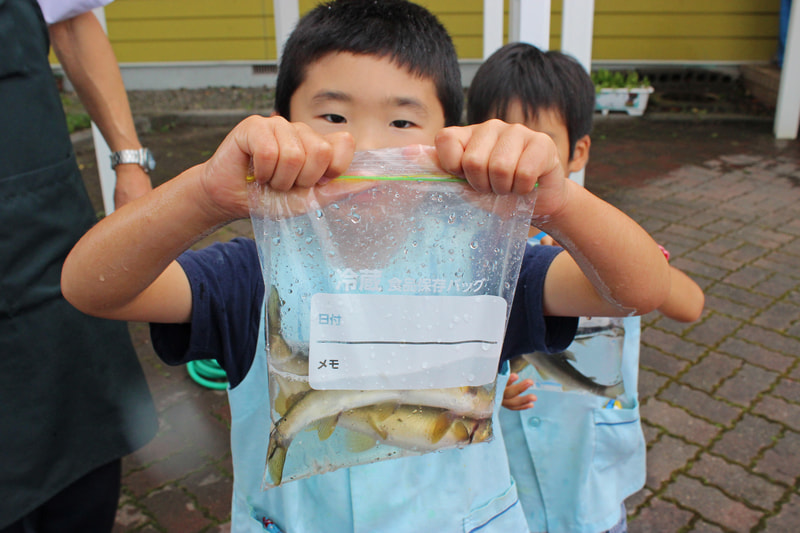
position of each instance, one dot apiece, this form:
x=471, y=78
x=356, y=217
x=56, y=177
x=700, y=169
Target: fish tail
x=517, y=364
x=276, y=457
x=274, y=310
x=462, y=431
x=615, y=390
x=440, y=428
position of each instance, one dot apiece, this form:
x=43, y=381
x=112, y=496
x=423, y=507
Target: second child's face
x=549, y=122
x=380, y=104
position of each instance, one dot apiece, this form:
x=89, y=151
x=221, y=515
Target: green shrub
x=618, y=79
x=78, y=121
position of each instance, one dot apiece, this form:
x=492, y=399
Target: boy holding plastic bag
x=588, y=395
x=356, y=75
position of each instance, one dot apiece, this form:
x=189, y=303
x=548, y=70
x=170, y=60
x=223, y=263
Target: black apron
x=72, y=394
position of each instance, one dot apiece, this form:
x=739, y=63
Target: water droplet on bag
x=276, y=241
x=474, y=245
x=452, y=218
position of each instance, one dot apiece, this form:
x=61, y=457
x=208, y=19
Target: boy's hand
x=547, y=240
x=504, y=158
x=285, y=156
x=512, y=395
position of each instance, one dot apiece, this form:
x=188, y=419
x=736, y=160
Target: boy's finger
x=343, y=148
x=478, y=153
x=318, y=154
x=505, y=157
x=257, y=148
x=517, y=388
x=450, y=144
x=538, y=161
x=291, y=156
x=520, y=403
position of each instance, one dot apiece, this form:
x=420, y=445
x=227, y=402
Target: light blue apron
x=576, y=457
x=450, y=491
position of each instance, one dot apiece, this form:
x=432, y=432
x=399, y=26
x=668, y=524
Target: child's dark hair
x=539, y=81
x=407, y=33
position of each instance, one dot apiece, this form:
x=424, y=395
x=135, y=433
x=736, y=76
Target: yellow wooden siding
x=684, y=30
x=462, y=19
x=200, y=30
x=635, y=30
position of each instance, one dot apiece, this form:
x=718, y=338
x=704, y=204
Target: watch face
x=149, y=161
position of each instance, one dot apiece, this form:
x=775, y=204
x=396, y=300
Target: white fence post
x=492, y=26
x=529, y=22
x=787, y=110
x=577, y=27
x=287, y=13
x=102, y=153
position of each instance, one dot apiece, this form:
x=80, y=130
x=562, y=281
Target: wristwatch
x=142, y=157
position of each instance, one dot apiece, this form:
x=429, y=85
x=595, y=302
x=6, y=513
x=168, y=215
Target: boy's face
x=381, y=104
x=549, y=121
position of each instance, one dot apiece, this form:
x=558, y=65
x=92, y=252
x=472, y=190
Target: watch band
x=142, y=157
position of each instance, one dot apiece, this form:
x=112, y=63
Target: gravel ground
x=687, y=93
x=161, y=102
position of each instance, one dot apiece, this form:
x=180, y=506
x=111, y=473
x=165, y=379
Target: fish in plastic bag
x=388, y=292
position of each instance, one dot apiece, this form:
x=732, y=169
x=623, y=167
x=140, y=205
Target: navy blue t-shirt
x=228, y=300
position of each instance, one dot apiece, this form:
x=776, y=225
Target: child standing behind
x=575, y=456
x=356, y=75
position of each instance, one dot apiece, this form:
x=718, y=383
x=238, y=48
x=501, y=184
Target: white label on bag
x=375, y=341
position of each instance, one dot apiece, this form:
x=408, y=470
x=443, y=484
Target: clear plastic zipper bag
x=388, y=292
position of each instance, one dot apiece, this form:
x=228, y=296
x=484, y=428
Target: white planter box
x=631, y=101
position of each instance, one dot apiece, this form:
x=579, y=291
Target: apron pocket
x=504, y=512
x=44, y=214
x=618, y=435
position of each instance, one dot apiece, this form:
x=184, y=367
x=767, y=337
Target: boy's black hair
x=405, y=32
x=539, y=81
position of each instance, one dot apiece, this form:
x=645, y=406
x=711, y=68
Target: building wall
x=182, y=44
x=624, y=30
x=685, y=30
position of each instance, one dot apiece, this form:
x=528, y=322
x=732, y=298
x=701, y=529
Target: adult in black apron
x=73, y=398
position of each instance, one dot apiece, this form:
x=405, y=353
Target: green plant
x=618, y=79
x=77, y=118
x=78, y=121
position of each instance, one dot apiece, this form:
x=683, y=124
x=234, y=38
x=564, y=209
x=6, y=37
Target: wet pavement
x=720, y=397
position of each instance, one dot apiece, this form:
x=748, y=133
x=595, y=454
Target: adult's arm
x=85, y=53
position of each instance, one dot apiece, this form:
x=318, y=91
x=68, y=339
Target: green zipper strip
x=419, y=177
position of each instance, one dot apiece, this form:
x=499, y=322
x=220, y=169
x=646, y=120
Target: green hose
x=208, y=373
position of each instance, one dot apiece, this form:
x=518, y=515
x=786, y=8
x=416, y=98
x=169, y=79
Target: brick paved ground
x=720, y=398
